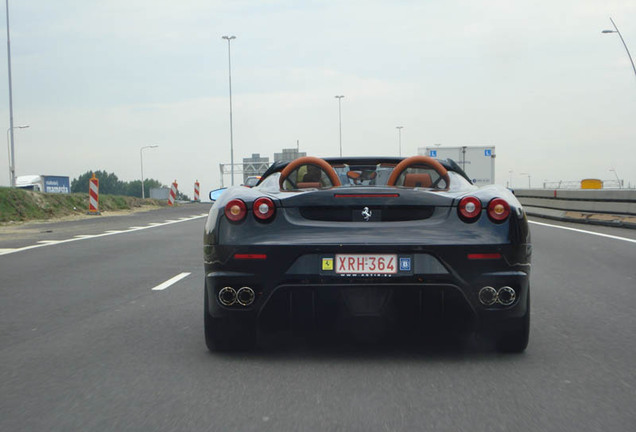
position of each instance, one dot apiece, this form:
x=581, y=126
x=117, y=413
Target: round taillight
x=498, y=210
x=469, y=208
x=263, y=208
x=235, y=210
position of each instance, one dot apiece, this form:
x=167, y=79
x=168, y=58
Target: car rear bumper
x=441, y=283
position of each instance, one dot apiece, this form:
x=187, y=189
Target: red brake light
x=250, y=256
x=263, y=208
x=484, y=256
x=469, y=209
x=235, y=210
x=498, y=210
x=386, y=195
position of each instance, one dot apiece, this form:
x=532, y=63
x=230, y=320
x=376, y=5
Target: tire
x=228, y=334
x=514, y=334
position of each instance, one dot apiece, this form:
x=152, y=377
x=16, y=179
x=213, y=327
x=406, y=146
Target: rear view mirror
x=216, y=193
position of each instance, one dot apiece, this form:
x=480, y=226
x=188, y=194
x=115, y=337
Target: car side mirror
x=216, y=193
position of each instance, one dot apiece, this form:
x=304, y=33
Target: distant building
x=288, y=155
x=254, y=166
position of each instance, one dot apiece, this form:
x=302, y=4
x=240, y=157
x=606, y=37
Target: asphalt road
x=86, y=344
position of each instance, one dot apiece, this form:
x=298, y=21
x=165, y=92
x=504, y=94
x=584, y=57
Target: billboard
x=56, y=184
x=478, y=162
x=160, y=193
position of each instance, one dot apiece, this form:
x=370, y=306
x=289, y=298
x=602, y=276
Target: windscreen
x=358, y=175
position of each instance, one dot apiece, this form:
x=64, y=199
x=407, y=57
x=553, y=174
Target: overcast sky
x=97, y=80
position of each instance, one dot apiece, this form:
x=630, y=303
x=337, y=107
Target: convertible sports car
x=367, y=244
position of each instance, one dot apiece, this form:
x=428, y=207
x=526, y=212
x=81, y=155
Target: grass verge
x=19, y=205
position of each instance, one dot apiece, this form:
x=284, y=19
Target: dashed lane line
x=44, y=243
x=171, y=281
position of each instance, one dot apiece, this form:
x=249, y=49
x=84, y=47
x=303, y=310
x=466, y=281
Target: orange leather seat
x=308, y=185
x=418, y=180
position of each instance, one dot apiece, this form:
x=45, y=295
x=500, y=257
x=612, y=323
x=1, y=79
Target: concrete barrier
x=615, y=207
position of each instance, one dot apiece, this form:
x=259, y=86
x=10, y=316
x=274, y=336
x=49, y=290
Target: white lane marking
x=43, y=243
x=584, y=231
x=171, y=281
x=85, y=236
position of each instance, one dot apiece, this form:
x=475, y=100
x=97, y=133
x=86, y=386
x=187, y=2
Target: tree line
x=110, y=184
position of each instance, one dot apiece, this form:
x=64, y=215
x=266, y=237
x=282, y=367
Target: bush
x=109, y=184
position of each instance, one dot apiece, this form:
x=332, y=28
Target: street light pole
x=620, y=186
x=399, y=128
x=12, y=161
x=141, y=157
x=10, y=153
x=229, y=63
x=529, y=187
x=340, y=121
x=622, y=40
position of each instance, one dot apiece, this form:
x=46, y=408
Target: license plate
x=366, y=263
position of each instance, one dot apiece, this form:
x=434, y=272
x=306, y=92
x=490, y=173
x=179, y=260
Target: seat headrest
x=418, y=180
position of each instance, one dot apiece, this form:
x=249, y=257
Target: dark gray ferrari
x=380, y=245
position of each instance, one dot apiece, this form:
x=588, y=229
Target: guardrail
x=616, y=207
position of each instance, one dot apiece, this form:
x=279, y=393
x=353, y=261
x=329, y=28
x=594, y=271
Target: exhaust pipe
x=506, y=296
x=488, y=296
x=227, y=296
x=245, y=296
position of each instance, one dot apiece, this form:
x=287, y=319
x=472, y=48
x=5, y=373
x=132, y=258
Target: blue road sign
x=432, y=153
x=488, y=152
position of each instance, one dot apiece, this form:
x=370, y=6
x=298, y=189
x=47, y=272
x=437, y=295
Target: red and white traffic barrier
x=173, y=193
x=197, y=189
x=93, y=195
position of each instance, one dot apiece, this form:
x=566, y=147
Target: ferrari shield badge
x=327, y=264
